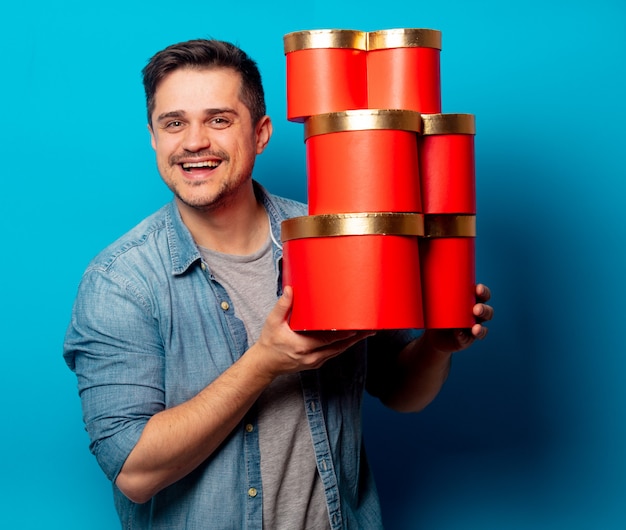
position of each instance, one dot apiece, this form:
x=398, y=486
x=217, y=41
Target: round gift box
x=363, y=161
x=353, y=271
x=447, y=163
x=326, y=72
x=447, y=261
x=403, y=69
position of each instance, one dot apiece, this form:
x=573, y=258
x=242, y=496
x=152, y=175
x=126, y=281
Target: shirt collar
x=183, y=249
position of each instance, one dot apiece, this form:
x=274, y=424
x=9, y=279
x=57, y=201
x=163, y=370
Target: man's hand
x=450, y=341
x=286, y=351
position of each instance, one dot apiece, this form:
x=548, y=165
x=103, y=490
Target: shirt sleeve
x=382, y=350
x=114, y=346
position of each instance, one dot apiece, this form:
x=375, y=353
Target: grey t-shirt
x=293, y=496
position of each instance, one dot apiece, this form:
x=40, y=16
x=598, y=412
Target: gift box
x=447, y=164
x=326, y=72
x=363, y=161
x=447, y=252
x=447, y=261
x=379, y=151
x=353, y=271
x=403, y=69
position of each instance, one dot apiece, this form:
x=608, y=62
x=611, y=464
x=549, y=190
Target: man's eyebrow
x=223, y=110
x=171, y=114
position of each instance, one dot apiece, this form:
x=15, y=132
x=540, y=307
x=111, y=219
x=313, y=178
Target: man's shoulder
x=148, y=233
x=285, y=207
x=290, y=207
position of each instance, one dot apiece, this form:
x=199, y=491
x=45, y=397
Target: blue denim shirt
x=149, y=330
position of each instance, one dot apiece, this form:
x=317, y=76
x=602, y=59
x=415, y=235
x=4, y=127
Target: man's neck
x=239, y=228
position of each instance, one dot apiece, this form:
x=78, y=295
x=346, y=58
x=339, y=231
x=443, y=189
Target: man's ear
x=264, y=131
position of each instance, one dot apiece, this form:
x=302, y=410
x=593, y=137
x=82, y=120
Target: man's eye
x=220, y=123
x=174, y=124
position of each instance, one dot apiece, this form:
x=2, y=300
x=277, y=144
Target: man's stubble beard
x=223, y=198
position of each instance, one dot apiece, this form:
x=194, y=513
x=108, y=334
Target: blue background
x=529, y=431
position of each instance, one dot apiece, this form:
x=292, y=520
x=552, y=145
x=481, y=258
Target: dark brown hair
x=200, y=54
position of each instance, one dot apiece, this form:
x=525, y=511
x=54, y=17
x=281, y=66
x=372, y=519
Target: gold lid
x=404, y=38
x=449, y=225
x=325, y=38
x=448, y=124
x=353, y=224
x=362, y=120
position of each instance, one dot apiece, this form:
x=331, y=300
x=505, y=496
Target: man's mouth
x=210, y=164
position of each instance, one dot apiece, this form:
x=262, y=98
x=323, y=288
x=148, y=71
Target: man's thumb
x=285, y=302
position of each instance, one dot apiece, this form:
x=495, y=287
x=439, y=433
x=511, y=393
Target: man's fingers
x=483, y=294
x=284, y=303
x=479, y=332
x=336, y=339
x=483, y=312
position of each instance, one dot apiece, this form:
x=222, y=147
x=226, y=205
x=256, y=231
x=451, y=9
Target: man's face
x=204, y=138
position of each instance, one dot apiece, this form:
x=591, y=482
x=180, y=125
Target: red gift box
x=447, y=165
x=353, y=271
x=378, y=145
x=447, y=252
x=363, y=161
x=403, y=70
x=447, y=260
x=326, y=72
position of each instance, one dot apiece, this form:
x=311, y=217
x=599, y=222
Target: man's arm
x=176, y=440
x=417, y=373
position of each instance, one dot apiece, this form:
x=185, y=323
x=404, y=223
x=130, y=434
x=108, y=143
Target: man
x=203, y=407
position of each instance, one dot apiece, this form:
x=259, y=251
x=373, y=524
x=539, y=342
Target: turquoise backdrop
x=530, y=430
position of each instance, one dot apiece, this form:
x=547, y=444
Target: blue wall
x=530, y=429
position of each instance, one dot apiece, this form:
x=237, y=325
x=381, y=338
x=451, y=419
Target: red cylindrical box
x=448, y=282
x=447, y=164
x=403, y=69
x=447, y=252
x=363, y=161
x=361, y=280
x=326, y=72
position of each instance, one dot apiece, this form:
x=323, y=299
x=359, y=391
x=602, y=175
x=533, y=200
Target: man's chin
x=206, y=203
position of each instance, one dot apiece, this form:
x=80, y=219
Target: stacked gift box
x=388, y=242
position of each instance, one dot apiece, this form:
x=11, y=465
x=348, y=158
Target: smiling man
x=203, y=407
x=193, y=143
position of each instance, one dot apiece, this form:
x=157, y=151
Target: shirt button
x=252, y=492
x=203, y=266
x=224, y=305
x=249, y=427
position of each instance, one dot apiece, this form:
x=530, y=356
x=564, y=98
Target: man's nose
x=197, y=137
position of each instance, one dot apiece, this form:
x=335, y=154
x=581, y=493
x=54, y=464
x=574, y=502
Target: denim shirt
x=150, y=328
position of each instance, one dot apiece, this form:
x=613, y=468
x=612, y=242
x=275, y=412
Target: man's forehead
x=180, y=82
x=196, y=90
x=187, y=71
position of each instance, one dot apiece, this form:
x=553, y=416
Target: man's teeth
x=210, y=164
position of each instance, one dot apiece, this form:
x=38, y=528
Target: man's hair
x=206, y=54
